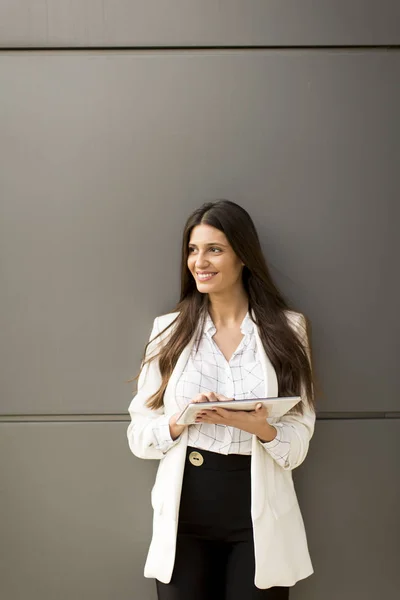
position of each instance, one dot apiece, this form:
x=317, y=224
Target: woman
x=226, y=523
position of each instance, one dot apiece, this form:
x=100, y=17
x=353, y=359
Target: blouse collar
x=246, y=326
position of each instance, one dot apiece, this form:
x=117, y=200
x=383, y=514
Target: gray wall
x=104, y=150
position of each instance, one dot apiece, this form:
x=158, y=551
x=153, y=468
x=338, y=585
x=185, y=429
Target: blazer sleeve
x=294, y=432
x=148, y=431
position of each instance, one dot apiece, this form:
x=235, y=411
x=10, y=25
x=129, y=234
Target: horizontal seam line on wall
x=384, y=47
x=120, y=417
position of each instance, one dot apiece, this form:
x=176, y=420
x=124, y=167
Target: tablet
x=277, y=407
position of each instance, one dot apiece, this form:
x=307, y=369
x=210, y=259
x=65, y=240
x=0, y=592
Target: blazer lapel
x=169, y=395
x=271, y=381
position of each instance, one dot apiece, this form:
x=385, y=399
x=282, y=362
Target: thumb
x=258, y=406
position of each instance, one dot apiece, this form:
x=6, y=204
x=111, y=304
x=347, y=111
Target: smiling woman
x=212, y=262
x=226, y=518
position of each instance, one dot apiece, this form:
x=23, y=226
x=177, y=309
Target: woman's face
x=211, y=260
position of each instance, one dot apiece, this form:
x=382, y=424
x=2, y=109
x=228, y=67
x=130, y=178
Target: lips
x=205, y=276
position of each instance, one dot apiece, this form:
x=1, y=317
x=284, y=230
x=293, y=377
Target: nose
x=201, y=261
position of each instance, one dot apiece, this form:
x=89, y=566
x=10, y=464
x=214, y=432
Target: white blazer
x=280, y=543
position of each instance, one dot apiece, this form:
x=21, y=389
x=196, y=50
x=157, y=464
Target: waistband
x=217, y=461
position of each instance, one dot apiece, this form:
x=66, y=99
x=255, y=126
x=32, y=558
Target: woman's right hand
x=176, y=430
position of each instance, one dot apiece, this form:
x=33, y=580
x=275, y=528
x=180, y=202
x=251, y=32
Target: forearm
x=174, y=429
x=290, y=446
x=149, y=437
x=265, y=432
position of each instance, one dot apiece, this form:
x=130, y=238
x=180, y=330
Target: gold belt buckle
x=196, y=459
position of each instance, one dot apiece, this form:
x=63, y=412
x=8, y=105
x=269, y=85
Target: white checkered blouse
x=240, y=378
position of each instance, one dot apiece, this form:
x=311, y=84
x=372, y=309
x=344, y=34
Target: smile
x=205, y=276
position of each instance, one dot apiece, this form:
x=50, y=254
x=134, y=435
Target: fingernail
x=258, y=405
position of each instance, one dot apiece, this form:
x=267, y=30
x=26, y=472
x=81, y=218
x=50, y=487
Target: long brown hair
x=285, y=350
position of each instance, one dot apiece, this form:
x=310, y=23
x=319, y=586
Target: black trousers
x=215, y=548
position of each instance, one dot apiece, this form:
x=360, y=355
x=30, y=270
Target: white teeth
x=205, y=275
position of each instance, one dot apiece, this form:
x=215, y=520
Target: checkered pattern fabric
x=208, y=370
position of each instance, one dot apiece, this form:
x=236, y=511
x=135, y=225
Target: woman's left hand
x=254, y=421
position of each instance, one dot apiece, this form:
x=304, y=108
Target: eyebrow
x=208, y=244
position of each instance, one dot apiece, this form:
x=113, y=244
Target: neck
x=228, y=309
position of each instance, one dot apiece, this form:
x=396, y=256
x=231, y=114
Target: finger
x=223, y=398
x=221, y=412
x=202, y=397
x=199, y=398
x=210, y=414
x=200, y=415
x=260, y=412
x=204, y=411
x=212, y=397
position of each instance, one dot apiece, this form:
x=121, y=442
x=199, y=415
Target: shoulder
x=159, y=324
x=162, y=321
x=295, y=319
x=298, y=323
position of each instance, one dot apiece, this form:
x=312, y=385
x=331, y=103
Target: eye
x=212, y=249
